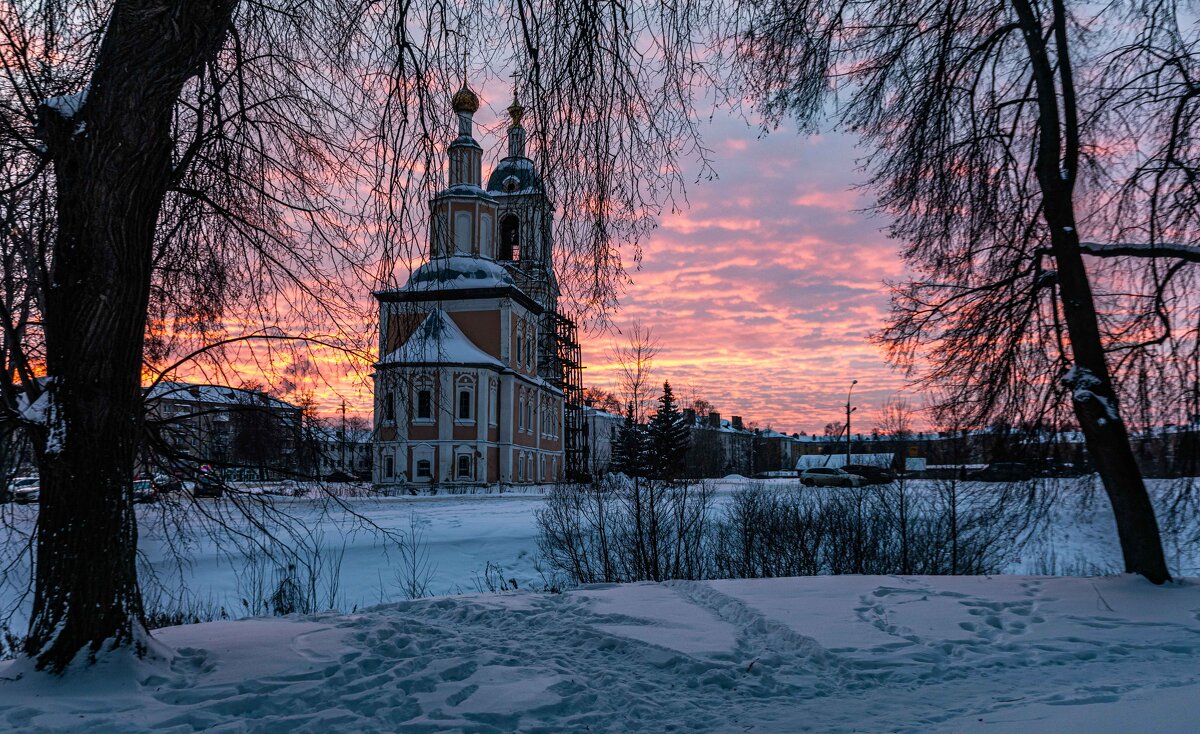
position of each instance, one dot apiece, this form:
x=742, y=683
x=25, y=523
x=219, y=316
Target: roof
x=438, y=340
x=837, y=461
x=214, y=395
x=515, y=175
x=459, y=273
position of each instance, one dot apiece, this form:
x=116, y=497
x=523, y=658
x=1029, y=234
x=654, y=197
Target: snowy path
x=824, y=654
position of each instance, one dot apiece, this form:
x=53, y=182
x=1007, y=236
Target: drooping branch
x=1188, y=253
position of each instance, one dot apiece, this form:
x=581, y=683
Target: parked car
x=10, y=491
x=871, y=474
x=165, y=483
x=1002, y=471
x=209, y=484
x=28, y=491
x=144, y=490
x=823, y=476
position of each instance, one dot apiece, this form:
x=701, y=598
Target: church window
x=424, y=404
x=520, y=345
x=440, y=235
x=521, y=467
x=494, y=406
x=424, y=469
x=485, y=235
x=510, y=238
x=464, y=466
x=521, y=415
x=462, y=233
x=389, y=466
x=389, y=406
x=466, y=400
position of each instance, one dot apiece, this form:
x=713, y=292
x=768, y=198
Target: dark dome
x=514, y=174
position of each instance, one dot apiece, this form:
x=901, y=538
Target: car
x=871, y=474
x=824, y=476
x=144, y=490
x=18, y=482
x=209, y=484
x=166, y=483
x=1002, y=471
x=27, y=492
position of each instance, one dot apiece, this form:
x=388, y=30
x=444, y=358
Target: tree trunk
x=1093, y=397
x=112, y=164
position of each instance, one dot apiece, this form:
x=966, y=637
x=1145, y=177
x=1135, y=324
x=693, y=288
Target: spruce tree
x=668, y=438
x=629, y=447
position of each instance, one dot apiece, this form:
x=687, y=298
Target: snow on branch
x=1190, y=253
x=1083, y=384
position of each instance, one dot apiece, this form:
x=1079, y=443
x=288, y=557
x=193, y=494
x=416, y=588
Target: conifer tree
x=629, y=447
x=667, y=437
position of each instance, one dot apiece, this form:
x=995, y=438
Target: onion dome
x=466, y=100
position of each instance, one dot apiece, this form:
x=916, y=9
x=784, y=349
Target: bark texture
x=1093, y=397
x=112, y=159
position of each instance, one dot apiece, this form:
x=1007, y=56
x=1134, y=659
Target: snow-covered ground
x=467, y=543
x=823, y=654
x=1020, y=653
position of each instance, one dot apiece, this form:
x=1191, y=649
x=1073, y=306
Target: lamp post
x=849, y=410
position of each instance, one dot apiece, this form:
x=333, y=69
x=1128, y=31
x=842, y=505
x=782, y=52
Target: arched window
x=493, y=405
x=389, y=406
x=520, y=345
x=520, y=466
x=521, y=413
x=422, y=405
x=464, y=466
x=465, y=409
x=485, y=235
x=510, y=238
x=462, y=233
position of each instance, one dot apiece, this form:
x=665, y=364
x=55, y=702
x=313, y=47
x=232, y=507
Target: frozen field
x=465, y=544
x=822, y=654
x=1017, y=653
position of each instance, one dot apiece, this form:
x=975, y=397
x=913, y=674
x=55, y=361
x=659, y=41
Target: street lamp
x=849, y=410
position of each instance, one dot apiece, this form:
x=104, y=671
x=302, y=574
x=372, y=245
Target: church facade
x=467, y=387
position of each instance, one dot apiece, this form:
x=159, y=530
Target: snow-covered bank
x=824, y=654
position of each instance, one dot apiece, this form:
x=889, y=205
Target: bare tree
x=635, y=365
x=171, y=168
x=1000, y=131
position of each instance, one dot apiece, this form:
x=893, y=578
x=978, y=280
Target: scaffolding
x=562, y=367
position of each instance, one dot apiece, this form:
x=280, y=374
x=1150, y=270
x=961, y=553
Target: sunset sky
x=762, y=293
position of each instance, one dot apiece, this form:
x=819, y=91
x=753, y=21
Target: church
x=478, y=377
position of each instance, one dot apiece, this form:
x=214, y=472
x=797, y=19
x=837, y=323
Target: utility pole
x=849, y=410
x=343, y=446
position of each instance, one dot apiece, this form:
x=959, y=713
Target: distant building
x=600, y=428
x=342, y=453
x=247, y=433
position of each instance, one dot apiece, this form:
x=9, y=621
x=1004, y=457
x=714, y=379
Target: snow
x=826, y=654
x=458, y=272
x=1017, y=653
x=1083, y=382
x=68, y=105
x=439, y=340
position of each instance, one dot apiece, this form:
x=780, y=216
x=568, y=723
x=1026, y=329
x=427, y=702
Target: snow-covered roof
x=213, y=395
x=438, y=340
x=459, y=272
x=837, y=461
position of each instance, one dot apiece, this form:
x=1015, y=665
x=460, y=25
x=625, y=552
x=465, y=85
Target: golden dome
x=515, y=111
x=466, y=100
